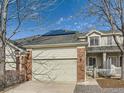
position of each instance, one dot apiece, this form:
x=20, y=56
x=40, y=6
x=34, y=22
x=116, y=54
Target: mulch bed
x=110, y=83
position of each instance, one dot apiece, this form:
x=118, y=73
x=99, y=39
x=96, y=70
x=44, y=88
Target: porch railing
x=112, y=72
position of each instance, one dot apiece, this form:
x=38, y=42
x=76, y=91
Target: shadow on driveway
x=43, y=87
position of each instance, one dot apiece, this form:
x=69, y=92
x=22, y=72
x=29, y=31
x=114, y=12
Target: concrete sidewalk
x=43, y=87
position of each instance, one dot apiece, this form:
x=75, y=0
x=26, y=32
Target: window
x=113, y=60
x=92, y=61
x=94, y=41
x=109, y=40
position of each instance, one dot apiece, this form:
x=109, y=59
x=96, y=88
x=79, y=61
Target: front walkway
x=91, y=86
x=43, y=87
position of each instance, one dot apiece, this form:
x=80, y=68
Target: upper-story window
x=109, y=40
x=94, y=41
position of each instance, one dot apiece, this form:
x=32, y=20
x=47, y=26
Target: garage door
x=55, y=64
x=56, y=70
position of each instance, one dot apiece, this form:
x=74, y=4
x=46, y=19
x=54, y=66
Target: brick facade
x=81, y=64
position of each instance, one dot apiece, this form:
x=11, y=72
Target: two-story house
x=102, y=49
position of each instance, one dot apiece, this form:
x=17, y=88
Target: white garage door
x=55, y=64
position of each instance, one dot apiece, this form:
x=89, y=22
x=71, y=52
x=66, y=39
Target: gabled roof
x=57, y=37
x=70, y=38
x=103, y=32
x=52, y=37
x=94, y=31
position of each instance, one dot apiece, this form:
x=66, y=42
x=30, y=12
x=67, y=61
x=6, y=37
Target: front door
x=92, y=61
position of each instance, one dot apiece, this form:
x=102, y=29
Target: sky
x=66, y=15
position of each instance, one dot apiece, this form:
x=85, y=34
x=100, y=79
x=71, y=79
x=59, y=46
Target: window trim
x=99, y=41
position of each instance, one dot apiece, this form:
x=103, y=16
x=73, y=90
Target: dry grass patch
x=110, y=83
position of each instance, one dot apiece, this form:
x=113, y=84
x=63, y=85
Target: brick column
x=17, y=61
x=23, y=67
x=81, y=64
x=29, y=65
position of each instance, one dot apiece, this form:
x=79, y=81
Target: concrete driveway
x=43, y=87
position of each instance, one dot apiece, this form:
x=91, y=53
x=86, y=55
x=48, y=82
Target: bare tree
x=3, y=12
x=111, y=13
x=23, y=10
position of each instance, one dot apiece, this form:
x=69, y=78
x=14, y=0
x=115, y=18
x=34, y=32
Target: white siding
x=54, y=53
x=120, y=39
x=105, y=40
x=10, y=58
x=10, y=54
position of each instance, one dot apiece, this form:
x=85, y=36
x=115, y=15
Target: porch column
x=81, y=64
x=104, y=60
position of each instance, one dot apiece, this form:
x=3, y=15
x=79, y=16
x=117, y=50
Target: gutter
x=56, y=45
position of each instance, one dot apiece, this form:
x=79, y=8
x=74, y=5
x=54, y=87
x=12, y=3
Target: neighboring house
x=63, y=56
x=11, y=56
x=14, y=64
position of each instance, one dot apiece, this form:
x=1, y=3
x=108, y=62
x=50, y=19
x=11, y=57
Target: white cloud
x=75, y=23
x=60, y=20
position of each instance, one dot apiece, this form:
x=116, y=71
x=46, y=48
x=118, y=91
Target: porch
x=104, y=60
x=105, y=63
